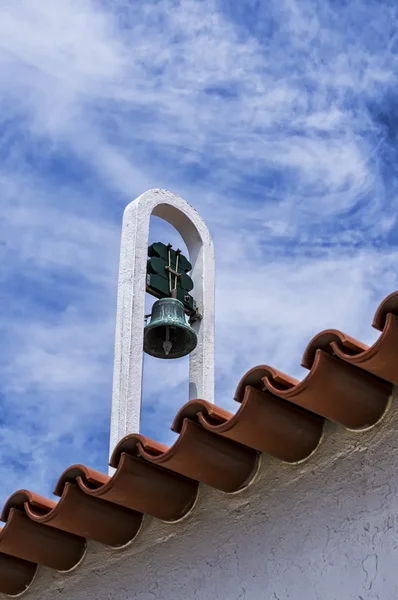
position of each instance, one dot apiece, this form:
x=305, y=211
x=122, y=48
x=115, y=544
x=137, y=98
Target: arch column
x=129, y=336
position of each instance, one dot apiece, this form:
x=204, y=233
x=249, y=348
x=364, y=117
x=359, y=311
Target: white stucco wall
x=323, y=530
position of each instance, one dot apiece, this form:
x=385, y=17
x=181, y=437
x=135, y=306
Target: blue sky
x=276, y=120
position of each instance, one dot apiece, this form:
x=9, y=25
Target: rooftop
x=348, y=383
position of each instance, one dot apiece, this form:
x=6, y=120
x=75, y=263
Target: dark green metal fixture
x=167, y=272
x=168, y=335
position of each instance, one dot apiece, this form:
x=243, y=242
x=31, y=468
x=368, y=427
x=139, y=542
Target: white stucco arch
x=128, y=361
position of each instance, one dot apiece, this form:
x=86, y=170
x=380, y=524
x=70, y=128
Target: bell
x=168, y=335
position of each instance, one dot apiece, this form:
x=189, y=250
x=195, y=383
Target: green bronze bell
x=168, y=335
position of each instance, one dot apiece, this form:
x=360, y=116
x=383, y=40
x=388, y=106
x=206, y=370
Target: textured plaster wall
x=323, y=530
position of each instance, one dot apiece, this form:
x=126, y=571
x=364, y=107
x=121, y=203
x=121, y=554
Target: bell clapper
x=167, y=344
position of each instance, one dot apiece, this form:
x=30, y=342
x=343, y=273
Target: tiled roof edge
x=348, y=383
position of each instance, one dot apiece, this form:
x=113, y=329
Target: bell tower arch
x=129, y=335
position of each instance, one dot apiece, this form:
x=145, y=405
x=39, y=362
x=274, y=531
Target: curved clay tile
x=380, y=359
x=388, y=306
x=39, y=544
x=199, y=455
x=80, y=514
x=92, y=477
x=15, y=574
x=262, y=422
x=137, y=485
x=333, y=389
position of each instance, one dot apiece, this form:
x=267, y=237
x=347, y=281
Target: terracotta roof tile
x=348, y=382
